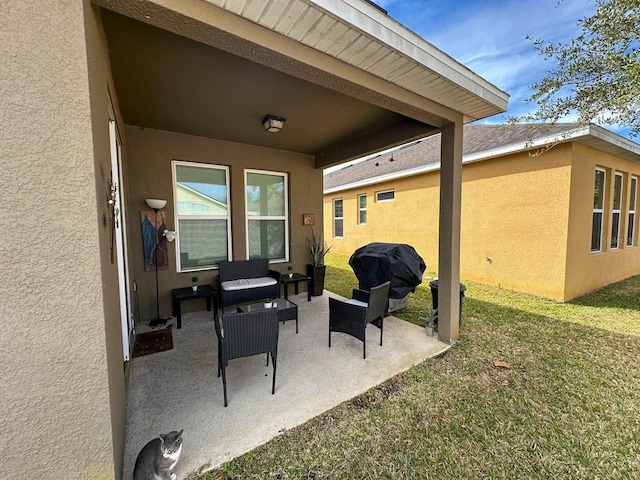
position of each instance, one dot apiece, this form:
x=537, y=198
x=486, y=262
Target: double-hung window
x=598, y=210
x=631, y=224
x=617, y=203
x=338, y=218
x=267, y=200
x=362, y=209
x=203, y=215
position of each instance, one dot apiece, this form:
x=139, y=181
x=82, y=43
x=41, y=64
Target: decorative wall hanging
x=114, y=212
x=308, y=219
x=153, y=226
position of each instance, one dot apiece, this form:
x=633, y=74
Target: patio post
x=449, y=232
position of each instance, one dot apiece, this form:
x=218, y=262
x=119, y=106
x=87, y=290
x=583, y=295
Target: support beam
x=399, y=134
x=449, y=248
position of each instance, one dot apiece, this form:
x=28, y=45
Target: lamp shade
x=155, y=203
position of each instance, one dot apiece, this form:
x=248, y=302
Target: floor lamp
x=156, y=205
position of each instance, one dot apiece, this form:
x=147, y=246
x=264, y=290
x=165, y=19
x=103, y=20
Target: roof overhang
x=388, y=84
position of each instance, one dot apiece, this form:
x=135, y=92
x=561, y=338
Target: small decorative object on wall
x=308, y=219
x=114, y=211
x=153, y=227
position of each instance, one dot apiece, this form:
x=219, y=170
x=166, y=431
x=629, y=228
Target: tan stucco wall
x=101, y=88
x=515, y=221
x=411, y=218
x=148, y=174
x=526, y=221
x=56, y=408
x=503, y=218
x=587, y=271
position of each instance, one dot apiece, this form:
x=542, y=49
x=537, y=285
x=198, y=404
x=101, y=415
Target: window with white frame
x=338, y=217
x=631, y=224
x=385, y=196
x=267, y=200
x=203, y=215
x=598, y=210
x=617, y=203
x=362, y=209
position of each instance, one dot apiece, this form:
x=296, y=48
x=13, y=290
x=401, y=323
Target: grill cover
x=399, y=263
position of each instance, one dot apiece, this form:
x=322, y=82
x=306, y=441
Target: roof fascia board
x=374, y=23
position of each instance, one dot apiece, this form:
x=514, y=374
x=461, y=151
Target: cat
x=159, y=457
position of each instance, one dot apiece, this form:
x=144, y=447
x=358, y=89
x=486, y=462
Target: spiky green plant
x=316, y=248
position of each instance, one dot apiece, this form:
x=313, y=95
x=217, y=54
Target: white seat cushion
x=244, y=283
x=358, y=303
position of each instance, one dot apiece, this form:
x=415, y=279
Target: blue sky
x=489, y=36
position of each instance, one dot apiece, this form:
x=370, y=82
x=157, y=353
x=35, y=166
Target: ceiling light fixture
x=272, y=123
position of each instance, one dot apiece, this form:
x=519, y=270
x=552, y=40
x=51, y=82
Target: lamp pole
x=156, y=205
x=157, y=321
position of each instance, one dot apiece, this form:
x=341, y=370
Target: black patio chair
x=244, y=335
x=353, y=316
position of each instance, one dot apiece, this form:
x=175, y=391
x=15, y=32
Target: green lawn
x=568, y=407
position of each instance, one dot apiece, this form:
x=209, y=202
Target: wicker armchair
x=244, y=335
x=353, y=316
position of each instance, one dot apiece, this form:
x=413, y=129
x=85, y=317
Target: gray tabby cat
x=159, y=457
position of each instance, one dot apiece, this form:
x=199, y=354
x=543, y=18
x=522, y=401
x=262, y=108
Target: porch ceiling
x=169, y=82
x=349, y=80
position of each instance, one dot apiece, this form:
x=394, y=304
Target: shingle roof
x=476, y=138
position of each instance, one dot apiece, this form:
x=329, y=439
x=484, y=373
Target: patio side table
x=296, y=278
x=187, y=293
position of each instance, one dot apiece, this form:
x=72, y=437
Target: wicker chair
x=353, y=316
x=244, y=335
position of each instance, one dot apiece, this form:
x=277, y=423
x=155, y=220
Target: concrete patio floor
x=180, y=389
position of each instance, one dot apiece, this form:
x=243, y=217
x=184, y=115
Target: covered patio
x=179, y=389
x=109, y=101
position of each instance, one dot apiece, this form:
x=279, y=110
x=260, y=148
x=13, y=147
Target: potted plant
x=194, y=287
x=290, y=268
x=430, y=321
x=316, y=269
x=268, y=303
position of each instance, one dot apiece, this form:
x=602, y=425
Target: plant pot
x=317, y=278
x=430, y=331
x=268, y=305
x=290, y=275
x=194, y=288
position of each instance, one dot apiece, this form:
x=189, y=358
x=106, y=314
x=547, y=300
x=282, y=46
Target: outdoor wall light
x=272, y=123
x=155, y=204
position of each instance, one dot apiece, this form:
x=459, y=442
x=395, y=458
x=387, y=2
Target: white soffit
x=362, y=36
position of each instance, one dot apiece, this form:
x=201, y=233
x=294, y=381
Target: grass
x=568, y=406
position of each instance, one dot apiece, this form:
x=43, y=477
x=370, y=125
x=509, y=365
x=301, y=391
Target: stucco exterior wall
x=148, y=173
x=588, y=271
x=515, y=219
x=56, y=410
x=508, y=216
x=411, y=218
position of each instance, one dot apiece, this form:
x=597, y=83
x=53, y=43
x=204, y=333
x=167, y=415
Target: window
x=201, y=196
x=617, y=203
x=338, y=218
x=632, y=211
x=385, y=196
x=267, y=200
x=598, y=206
x=362, y=209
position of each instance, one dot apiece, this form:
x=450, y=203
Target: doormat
x=153, y=342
